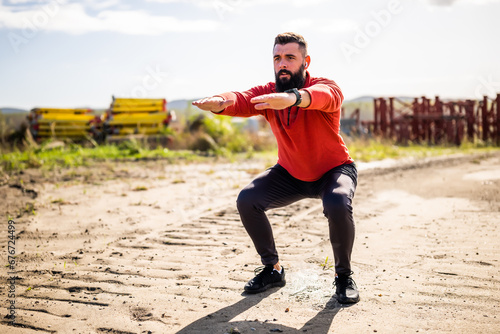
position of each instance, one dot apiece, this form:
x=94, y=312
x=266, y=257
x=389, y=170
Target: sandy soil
x=157, y=248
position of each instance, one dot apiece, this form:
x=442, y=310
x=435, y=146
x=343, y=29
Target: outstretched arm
x=215, y=104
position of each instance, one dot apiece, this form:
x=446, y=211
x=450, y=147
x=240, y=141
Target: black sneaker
x=346, y=289
x=266, y=277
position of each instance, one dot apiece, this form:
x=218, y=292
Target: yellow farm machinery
x=69, y=123
x=136, y=116
x=125, y=116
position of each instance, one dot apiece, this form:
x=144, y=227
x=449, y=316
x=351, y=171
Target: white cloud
x=442, y=2
x=298, y=24
x=164, y=1
x=446, y=3
x=99, y=5
x=337, y=26
x=322, y=26
x=244, y=3
x=21, y=2
x=72, y=18
x=309, y=3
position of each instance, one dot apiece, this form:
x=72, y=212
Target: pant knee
x=336, y=203
x=246, y=200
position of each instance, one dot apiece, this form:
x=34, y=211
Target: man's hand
x=214, y=104
x=280, y=101
x=274, y=101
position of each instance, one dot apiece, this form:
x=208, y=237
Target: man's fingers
x=275, y=101
x=262, y=98
x=213, y=103
x=256, y=99
x=262, y=106
x=203, y=101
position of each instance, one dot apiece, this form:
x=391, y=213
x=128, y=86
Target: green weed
x=327, y=265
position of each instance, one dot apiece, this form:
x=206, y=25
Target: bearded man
x=313, y=161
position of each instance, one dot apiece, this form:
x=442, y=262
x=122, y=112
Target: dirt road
x=160, y=249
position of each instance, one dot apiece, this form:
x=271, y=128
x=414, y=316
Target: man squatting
x=313, y=160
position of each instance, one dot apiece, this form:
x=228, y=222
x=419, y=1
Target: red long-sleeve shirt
x=309, y=142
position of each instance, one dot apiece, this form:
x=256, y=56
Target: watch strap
x=297, y=95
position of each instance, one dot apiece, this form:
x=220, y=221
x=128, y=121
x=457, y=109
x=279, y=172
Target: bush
x=221, y=136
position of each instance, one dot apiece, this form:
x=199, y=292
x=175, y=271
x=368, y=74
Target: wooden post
x=469, y=118
x=414, y=124
x=450, y=129
x=459, y=125
x=391, y=117
x=426, y=122
x=438, y=124
x=484, y=116
x=383, y=117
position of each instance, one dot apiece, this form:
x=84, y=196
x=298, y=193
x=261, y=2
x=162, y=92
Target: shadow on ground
x=219, y=321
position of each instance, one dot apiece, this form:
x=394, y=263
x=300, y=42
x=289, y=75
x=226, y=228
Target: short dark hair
x=291, y=37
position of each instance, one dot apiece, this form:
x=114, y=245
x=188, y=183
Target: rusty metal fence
x=435, y=121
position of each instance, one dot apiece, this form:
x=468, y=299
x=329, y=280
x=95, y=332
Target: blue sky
x=65, y=53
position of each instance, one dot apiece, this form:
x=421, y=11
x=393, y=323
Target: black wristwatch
x=297, y=94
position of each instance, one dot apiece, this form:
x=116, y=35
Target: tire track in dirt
x=127, y=264
x=168, y=258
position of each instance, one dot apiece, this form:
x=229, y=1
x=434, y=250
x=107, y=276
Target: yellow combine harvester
x=136, y=116
x=62, y=123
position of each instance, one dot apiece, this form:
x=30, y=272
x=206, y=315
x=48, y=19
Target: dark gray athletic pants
x=277, y=188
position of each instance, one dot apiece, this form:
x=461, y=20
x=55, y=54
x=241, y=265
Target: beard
x=296, y=80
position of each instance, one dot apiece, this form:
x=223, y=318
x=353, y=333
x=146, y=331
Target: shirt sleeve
x=325, y=95
x=242, y=106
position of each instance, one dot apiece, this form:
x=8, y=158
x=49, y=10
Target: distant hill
x=361, y=99
x=12, y=119
x=178, y=104
x=368, y=98
x=6, y=111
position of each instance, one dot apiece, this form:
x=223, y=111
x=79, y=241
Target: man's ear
x=307, y=62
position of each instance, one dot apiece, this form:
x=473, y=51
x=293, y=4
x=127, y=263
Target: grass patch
x=373, y=149
x=73, y=155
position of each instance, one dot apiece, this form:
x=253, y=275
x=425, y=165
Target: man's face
x=289, y=66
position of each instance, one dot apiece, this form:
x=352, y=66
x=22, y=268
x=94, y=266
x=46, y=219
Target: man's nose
x=282, y=64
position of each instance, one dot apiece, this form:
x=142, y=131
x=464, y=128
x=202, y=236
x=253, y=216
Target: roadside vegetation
x=371, y=149
x=199, y=139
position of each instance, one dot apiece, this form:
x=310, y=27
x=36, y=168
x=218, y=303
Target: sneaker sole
x=269, y=286
x=348, y=300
